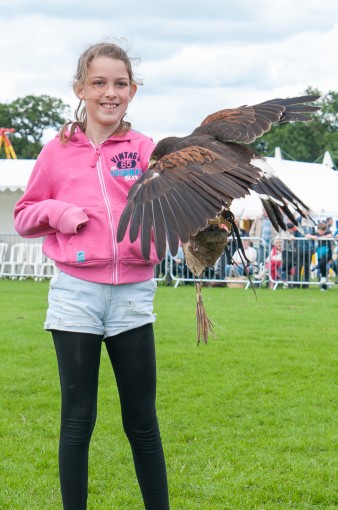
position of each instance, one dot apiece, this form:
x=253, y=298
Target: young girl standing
x=103, y=291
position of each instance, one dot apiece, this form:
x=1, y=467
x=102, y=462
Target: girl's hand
x=80, y=226
x=72, y=219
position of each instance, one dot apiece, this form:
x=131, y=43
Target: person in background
x=335, y=255
x=329, y=225
x=175, y=264
x=323, y=250
x=274, y=262
x=103, y=291
x=231, y=241
x=237, y=269
x=178, y=262
x=262, y=228
x=241, y=230
x=304, y=251
x=288, y=252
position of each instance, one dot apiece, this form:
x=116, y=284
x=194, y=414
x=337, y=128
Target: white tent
x=14, y=175
x=315, y=183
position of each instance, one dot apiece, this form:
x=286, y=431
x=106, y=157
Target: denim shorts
x=98, y=308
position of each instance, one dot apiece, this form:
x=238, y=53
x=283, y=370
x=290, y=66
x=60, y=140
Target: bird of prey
x=192, y=180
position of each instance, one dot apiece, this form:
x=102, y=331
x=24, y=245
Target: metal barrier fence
x=224, y=273
x=282, y=262
x=301, y=262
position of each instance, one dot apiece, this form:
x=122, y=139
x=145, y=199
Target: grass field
x=249, y=421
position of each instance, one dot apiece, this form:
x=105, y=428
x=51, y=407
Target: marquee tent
x=315, y=183
x=14, y=175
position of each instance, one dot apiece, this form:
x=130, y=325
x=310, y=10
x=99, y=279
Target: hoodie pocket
x=93, y=241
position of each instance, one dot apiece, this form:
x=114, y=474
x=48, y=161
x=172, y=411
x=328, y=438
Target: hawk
x=192, y=180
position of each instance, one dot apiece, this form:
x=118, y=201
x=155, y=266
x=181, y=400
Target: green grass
x=249, y=421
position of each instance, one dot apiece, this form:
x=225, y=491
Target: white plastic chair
x=3, y=250
x=15, y=261
x=47, y=268
x=33, y=260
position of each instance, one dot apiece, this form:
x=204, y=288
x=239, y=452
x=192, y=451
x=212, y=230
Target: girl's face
x=106, y=94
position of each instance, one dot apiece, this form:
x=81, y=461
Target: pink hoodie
x=77, y=183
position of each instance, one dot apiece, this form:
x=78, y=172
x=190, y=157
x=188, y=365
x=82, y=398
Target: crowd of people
x=292, y=258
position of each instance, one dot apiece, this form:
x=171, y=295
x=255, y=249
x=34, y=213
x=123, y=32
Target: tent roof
x=314, y=183
x=14, y=173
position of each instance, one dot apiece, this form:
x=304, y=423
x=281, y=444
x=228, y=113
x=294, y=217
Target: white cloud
x=197, y=57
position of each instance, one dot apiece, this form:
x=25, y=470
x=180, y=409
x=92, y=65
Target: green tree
x=5, y=117
x=30, y=116
x=306, y=141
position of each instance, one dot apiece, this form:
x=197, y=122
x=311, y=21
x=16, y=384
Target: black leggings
x=132, y=355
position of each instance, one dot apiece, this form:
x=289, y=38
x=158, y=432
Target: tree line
x=31, y=116
x=306, y=141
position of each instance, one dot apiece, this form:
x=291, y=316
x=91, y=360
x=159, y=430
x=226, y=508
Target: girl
x=274, y=262
x=103, y=291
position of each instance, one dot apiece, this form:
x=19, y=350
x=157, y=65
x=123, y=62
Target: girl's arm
x=37, y=214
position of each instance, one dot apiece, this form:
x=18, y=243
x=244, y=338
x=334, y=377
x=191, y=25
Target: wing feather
x=160, y=229
x=135, y=222
x=124, y=220
x=246, y=123
x=147, y=219
x=172, y=226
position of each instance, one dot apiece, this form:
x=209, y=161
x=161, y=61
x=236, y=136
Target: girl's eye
x=121, y=84
x=98, y=83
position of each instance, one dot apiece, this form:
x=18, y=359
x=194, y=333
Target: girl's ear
x=78, y=90
x=133, y=90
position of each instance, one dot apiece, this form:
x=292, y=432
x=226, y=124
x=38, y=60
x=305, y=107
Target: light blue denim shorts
x=98, y=308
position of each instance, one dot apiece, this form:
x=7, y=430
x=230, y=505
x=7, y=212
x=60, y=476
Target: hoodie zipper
x=97, y=162
x=96, y=155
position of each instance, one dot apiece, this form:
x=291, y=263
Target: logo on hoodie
x=127, y=165
x=80, y=256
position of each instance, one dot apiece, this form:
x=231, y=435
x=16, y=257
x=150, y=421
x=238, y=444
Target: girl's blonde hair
x=104, y=49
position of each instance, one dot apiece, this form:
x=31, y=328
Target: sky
x=194, y=57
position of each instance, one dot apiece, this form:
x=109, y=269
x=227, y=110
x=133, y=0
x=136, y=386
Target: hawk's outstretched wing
x=177, y=196
x=190, y=180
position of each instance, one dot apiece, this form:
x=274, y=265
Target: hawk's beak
x=221, y=222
